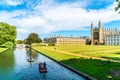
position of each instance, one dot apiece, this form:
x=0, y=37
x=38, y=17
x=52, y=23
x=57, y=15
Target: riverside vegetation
x=2, y=49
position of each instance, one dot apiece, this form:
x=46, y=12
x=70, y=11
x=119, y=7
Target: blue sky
x=54, y=17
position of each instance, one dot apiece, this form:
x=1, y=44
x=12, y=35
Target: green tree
x=20, y=42
x=118, y=5
x=33, y=38
x=7, y=33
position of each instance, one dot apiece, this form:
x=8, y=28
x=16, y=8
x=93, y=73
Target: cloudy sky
x=53, y=17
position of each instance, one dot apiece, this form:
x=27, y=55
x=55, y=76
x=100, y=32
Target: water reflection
x=16, y=67
x=7, y=60
x=7, y=63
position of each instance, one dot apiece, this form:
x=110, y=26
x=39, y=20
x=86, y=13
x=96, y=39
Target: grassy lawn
x=102, y=70
x=111, y=52
x=2, y=49
x=53, y=54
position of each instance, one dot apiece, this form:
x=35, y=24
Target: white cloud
x=49, y=16
x=13, y=2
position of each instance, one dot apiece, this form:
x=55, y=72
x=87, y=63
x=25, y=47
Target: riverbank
x=67, y=66
x=103, y=70
x=3, y=50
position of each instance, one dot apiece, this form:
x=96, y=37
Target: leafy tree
x=7, y=33
x=20, y=42
x=32, y=38
x=118, y=5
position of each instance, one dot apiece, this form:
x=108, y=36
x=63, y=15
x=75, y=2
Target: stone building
x=65, y=40
x=112, y=39
x=98, y=34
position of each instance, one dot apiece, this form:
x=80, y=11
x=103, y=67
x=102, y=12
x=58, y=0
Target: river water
x=14, y=66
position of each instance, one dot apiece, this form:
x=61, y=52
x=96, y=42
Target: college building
x=99, y=34
x=112, y=39
x=65, y=40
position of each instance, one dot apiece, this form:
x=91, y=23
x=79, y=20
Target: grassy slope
x=94, y=68
x=2, y=49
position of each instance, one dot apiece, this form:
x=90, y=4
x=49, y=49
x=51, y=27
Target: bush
x=51, y=44
x=2, y=46
x=8, y=45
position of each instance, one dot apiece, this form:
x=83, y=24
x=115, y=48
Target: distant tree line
x=7, y=35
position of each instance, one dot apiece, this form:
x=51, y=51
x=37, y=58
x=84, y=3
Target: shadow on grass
x=95, y=68
x=113, y=58
x=117, y=53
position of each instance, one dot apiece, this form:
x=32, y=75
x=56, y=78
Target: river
x=14, y=66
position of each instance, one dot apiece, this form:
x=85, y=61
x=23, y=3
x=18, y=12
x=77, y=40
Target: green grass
x=2, y=49
x=53, y=54
x=95, y=68
x=86, y=48
x=111, y=52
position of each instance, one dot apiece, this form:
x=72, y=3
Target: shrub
x=51, y=44
x=8, y=45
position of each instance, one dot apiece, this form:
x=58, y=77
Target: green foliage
x=33, y=38
x=51, y=44
x=19, y=42
x=2, y=49
x=118, y=5
x=7, y=33
x=9, y=45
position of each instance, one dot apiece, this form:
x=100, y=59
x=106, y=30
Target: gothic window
x=96, y=35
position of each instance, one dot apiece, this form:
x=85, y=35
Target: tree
x=7, y=33
x=32, y=38
x=19, y=42
x=118, y=5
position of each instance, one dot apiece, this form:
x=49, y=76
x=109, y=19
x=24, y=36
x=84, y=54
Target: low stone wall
x=69, y=67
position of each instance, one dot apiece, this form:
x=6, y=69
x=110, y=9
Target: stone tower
x=92, y=33
x=100, y=32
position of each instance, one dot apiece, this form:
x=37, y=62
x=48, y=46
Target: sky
x=58, y=17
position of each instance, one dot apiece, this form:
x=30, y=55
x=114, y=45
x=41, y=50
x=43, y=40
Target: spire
x=92, y=25
x=99, y=25
x=92, y=33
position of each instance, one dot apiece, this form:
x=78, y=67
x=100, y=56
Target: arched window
x=96, y=35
